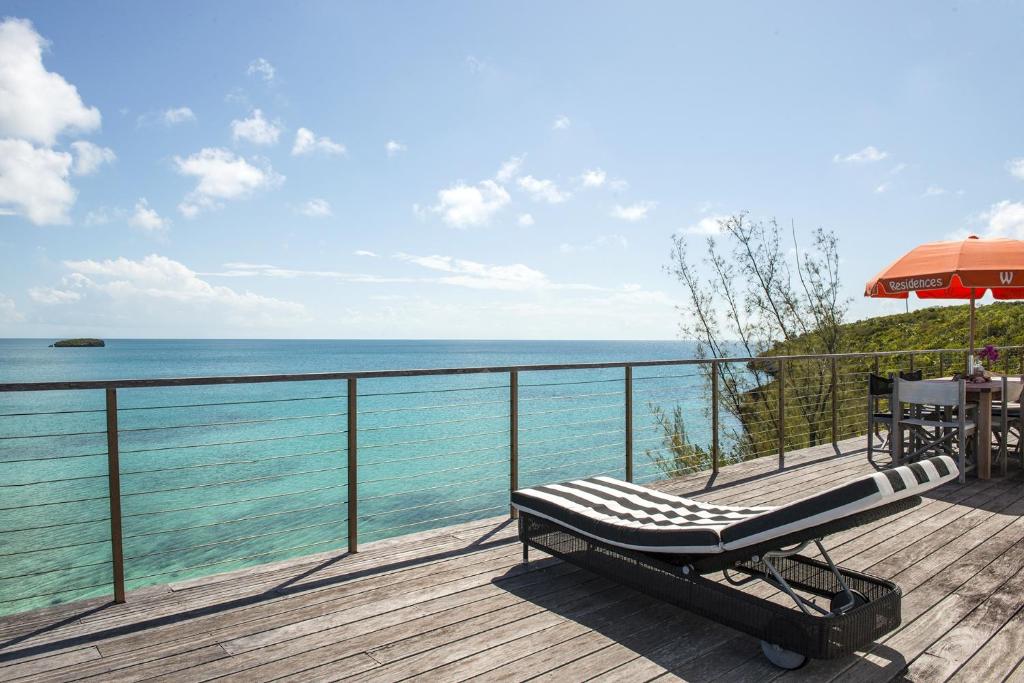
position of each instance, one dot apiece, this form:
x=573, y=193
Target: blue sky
x=224, y=169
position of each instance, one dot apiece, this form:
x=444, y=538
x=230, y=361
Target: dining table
x=981, y=394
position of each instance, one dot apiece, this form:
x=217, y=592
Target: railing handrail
x=429, y=372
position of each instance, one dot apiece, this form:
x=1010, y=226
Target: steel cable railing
x=54, y=518
x=172, y=485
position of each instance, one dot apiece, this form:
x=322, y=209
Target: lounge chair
x=663, y=545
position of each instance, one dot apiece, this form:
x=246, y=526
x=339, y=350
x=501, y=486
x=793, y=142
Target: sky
x=476, y=169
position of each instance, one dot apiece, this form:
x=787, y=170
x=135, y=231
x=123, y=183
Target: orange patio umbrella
x=959, y=269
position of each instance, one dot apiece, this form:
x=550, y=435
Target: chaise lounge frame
x=861, y=607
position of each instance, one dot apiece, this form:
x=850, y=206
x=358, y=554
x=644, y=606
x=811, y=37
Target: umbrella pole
x=970, y=358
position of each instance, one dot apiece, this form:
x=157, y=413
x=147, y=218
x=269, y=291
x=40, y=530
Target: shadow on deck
x=456, y=602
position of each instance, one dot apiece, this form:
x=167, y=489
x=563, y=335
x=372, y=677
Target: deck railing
x=111, y=485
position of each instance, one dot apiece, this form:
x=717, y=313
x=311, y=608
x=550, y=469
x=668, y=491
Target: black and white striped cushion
x=640, y=518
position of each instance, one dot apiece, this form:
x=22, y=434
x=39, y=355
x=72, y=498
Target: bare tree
x=754, y=298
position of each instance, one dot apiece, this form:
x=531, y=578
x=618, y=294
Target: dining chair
x=879, y=390
x=1006, y=420
x=934, y=432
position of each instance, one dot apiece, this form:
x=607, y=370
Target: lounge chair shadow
x=622, y=627
x=612, y=615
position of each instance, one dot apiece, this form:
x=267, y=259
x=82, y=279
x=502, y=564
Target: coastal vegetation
x=758, y=294
x=747, y=296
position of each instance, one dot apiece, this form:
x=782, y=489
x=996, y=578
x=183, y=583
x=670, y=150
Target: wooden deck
x=457, y=603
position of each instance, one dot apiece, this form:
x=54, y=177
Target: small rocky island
x=77, y=343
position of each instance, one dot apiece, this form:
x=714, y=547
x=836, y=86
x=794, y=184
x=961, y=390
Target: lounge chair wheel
x=782, y=658
x=840, y=600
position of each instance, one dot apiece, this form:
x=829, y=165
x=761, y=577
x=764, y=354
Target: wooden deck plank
x=999, y=657
x=456, y=603
x=297, y=655
x=930, y=609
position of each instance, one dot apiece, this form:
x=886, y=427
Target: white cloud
x=222, y=175
x=158, y=287
x=1004, y=219
x=36, y=104
x=633, y=212
x=277, y=272
x=89, y=157
x=474, y=275
x=464, y=206
x=598, y=242
x=883, y=188
x=51, y=296
x=709, y=225
x=261, y=68
x=561, y=123
x=525, y=220
x=509, y=169
x=1016, y=168
x=542, y=190
x=146, y=218
x=364, y=252
x=306, y=142
x=255, y=129
x=869, y=154
x=393, y=148
x=618, y=185
x=594, y=177
x=176, y=115
x=33, y=182
x=9, y=311
x=316, y=208
x=102, y=215
x=934, y=191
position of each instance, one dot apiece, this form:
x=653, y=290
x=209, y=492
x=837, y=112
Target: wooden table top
x=991, y=385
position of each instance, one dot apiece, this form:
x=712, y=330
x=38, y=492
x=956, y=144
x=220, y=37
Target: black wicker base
x=816, y=637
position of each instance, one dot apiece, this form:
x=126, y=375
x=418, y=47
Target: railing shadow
x=711, y=483
x=296, y=584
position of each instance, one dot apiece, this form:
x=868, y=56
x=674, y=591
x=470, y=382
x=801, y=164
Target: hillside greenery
x=935, y=327
x=938, y=327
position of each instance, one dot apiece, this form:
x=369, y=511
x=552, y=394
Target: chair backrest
x=878, y=385
x=1013, y=388
x=940, y=393
x=882, y=386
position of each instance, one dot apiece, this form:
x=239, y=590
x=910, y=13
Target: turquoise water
x=216, y=478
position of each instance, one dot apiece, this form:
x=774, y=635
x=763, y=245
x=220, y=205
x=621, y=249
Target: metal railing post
x=353, y=467
x=781, y=379
x=714, y=418
x=911, y=361
x=835, y=404
x=513, y=436
x=942, y=364
x=629, y=422
x=114, y=489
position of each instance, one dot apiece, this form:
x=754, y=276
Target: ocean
x=223, y=477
